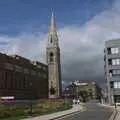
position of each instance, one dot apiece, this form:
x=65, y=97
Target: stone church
x=53, y=61
x=26, y=79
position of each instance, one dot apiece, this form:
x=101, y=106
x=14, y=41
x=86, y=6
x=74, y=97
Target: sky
x=83, y=26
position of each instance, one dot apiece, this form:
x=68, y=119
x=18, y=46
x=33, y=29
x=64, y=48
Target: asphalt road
x=93, y=112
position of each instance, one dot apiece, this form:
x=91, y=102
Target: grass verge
x=41, y=108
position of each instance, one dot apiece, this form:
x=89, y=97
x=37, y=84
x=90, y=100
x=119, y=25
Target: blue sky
x=17, y=16
x=83, y=26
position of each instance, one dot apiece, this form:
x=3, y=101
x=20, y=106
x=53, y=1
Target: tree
x=84, y=95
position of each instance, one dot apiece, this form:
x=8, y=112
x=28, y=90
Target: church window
x=51, y=83
x=51, y=57
x=50, y=39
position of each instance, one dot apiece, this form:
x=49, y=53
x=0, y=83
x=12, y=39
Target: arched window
x=51, y=39
x=51, y=57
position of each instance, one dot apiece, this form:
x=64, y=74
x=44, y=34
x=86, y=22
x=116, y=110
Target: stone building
x=53, y=61
x=22, y=78
x=112, y=69
x=25, y=79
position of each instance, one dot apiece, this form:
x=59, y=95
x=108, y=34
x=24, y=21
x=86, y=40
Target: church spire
x=53, y=25
x=53, y=61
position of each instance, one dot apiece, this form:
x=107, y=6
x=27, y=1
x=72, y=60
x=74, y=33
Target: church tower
x=53, y=61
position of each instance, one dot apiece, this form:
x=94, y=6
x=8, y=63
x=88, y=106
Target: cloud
x=81, y=46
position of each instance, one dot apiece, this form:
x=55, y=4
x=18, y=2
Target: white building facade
x=112, y=70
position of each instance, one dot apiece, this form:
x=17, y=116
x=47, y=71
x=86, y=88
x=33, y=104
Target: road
x=93, y=112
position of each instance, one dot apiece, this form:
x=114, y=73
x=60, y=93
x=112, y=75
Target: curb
x=65, y=115
x=76, y=112
x=113, y=116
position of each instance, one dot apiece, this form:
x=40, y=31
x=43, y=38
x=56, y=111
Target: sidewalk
x=118, y=113
x=106, y=105
x=75, y=108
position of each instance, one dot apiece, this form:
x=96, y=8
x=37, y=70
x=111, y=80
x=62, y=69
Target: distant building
x=84, y=90
x=112, y=69
x=22, y=78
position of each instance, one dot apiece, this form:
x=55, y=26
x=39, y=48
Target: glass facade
x=116, y=84
x=114, y=50
x=115, y=61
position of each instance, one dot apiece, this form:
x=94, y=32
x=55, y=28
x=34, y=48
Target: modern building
x=112, y=69
x=83, y=90
x=53, y=61
x=22, y=78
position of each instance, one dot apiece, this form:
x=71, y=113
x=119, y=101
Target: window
x=109, y=50
x=9, y=66
x=1, y=79
x=109, y=61
x=39, y=66
x=115, y=61
x=110, y=73
x=51, y=39
x=118, y=61
x=26, y=71
x=114, y=50
x=51, y=57
x=111, y=84
x=116, y=84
